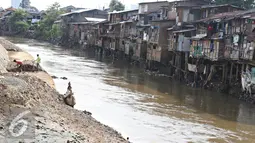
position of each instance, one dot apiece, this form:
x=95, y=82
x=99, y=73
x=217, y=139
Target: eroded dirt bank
x=53, y=120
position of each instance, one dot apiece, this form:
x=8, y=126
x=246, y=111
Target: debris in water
x=54, y=77
x=64, y=78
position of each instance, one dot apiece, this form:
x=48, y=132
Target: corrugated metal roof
x=124, y=11
x=78, y=11
x=222, y=5
x=153, y=2
x=184, y=30
x=92, y=19
x=198, y=36
x=81, y=23
x=229, y=15
x=220, y=16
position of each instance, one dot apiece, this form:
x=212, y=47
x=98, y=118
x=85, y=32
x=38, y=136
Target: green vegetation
x=18, y=21
x=46, y=28
x=116, y=5
x=21, y=26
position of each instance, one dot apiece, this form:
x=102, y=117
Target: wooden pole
x=207, y=70
x=231, y=72
x=223, y=73
x=226, y=74
x=237, y=71
x=180, y=66
x=186, y=61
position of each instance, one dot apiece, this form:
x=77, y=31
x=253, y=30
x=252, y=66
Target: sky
x=43, y=4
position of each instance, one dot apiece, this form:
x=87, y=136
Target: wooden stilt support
x=231, y=72
x=226, y=74
x=207, y=70
x=172, y=65
x=223, y=72
x=247, y=67
x=237, y=71
x=186, y=61
x=186, y=65
x=242, y=68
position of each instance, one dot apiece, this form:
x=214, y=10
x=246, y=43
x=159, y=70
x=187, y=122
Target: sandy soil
x=44, y=77
x=22, y=56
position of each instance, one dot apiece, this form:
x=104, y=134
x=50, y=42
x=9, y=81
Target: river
x=145, y=108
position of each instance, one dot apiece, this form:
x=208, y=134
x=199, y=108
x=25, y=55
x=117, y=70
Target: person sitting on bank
x=19, y=64
x=68, y=96
x=38, y=61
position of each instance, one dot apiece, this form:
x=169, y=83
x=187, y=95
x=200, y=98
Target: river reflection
x=146, y=108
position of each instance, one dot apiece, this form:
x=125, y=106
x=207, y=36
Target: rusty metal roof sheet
x=221, y=16
x=229, y=15
x=222, y=5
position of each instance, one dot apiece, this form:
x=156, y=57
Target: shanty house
x=157, y=45
x=122, y=30
x=149, y=11
x=81, y=25
x=209, y=41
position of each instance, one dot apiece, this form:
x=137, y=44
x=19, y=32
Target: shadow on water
x=220, y=105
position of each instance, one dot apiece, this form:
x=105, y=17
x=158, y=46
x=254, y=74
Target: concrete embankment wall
x=4, y=59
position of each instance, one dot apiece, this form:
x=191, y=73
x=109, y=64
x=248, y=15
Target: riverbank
x=53, y=120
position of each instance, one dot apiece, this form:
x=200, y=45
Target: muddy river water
x=146, y=108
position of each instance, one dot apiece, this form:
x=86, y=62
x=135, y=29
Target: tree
x=46, y=28
x=116, y=5
x=21, y=26
x=17, y=21
x=241, y=3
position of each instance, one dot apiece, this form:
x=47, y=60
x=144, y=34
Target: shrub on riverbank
x=46, y=29
x=17, y=21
